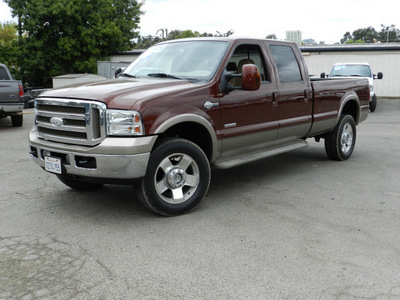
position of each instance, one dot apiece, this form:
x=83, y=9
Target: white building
x=294, y=36
x=383, y=58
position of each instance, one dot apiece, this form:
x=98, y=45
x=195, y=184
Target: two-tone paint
x=232, y=127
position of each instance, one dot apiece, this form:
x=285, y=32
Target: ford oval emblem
x=57, y=121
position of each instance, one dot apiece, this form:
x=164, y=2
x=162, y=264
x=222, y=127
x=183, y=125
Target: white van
x=357, y=70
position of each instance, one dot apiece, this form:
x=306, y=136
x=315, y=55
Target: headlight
x=124, y=122
x=371, y=87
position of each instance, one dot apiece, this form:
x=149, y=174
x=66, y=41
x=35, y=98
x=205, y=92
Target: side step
x=225, y=163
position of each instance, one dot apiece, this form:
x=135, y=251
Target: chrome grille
x=70, y=121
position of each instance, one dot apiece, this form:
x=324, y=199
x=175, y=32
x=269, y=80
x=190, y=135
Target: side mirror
x=118, y=72
x=379, y=76
x=323, y=75
x=251, y=78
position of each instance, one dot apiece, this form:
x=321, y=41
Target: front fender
x=167, y=121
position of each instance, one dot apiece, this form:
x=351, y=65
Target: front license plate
x=52, y=164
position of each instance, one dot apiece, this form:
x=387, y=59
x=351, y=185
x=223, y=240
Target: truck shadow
x=113, y=202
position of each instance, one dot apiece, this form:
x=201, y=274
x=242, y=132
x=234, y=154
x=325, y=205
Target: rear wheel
x=177, y=178
x=17, y=120
x=340, y=143
x=78, y=184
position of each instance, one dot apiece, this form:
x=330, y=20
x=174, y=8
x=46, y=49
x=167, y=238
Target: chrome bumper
x=12, y=107
x=114, y=158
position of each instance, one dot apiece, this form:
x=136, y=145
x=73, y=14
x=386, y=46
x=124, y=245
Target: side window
x=246, y=54
x=286, y=62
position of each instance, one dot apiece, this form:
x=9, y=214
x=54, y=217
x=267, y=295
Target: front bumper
x=114, y=158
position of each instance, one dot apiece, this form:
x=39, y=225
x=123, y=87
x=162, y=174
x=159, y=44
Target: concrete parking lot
x=295, y=226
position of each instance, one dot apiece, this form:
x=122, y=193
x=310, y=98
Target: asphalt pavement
x=295, y=226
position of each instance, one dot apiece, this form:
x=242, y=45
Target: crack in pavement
x=45, y=268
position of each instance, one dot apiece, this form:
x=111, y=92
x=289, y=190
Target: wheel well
x=351, y=108
x=193, y=132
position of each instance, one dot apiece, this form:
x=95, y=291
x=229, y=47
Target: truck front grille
x=70, y=121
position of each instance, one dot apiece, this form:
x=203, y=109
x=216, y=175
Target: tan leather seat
x=237, y=81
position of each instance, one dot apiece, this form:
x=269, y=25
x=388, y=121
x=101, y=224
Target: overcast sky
x=321, y=20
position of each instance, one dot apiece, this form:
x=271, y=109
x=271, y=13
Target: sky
x=320, y=20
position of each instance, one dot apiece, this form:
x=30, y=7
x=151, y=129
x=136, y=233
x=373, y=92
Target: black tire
x=340, y=143
x=372, y=104
x=17, y=120
x=78, y=185
x=177, y=178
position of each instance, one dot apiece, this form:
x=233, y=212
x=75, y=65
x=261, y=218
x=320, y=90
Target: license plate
x=52, y=164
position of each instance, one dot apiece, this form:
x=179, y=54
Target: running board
x=225, y=163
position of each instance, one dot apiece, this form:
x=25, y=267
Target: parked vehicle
x=185, y=105
x=348, y=70
x=11, y=97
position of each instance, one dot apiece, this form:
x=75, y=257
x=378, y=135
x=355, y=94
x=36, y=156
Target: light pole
x=388, y=28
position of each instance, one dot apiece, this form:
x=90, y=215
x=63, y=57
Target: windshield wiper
x=128, y=75
x=163, y=75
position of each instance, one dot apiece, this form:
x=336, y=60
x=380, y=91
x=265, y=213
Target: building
x=70, y=79
x=294, y=36
x=383, y=58
x=119, y=60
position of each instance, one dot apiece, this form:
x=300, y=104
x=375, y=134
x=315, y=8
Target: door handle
x=306, y=95
x=274, y=96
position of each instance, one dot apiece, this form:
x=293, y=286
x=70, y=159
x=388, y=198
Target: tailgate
x=9, y=91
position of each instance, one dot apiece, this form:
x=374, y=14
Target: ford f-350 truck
x=187, y=105
x=11, y=97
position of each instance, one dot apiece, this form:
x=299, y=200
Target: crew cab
x=185, y=106
x=11, y=97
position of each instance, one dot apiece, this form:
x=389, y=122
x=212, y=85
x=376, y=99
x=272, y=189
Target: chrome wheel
x=339, y=143
x=347, y=138
x=177, y=178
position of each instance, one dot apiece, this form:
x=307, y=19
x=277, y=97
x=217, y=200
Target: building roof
x=350, y=47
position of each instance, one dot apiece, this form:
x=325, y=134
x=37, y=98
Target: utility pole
x=387, y=28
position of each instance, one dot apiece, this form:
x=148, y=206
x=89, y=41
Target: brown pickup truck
x=185, y=105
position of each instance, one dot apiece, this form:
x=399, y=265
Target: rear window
x=3, y=74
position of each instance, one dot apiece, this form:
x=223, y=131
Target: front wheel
x=372, y=104
x=177, y=178
x=339, y=144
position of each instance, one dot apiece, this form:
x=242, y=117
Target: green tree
x=226, y=34
x=370, y=35
x=367, y=35
x=70, y=36
x=389, y=34
x=271, y=36
x=182, y=34
x=9, y=47
x=18, y=10
x=144, y=42
x=8, y=34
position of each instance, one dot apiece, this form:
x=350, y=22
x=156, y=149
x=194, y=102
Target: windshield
x=195, y=60
x=351, y=70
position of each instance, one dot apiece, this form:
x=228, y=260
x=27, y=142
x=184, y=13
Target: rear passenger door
x=295, y=95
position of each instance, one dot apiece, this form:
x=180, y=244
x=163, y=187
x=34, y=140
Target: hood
x=120, y=93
